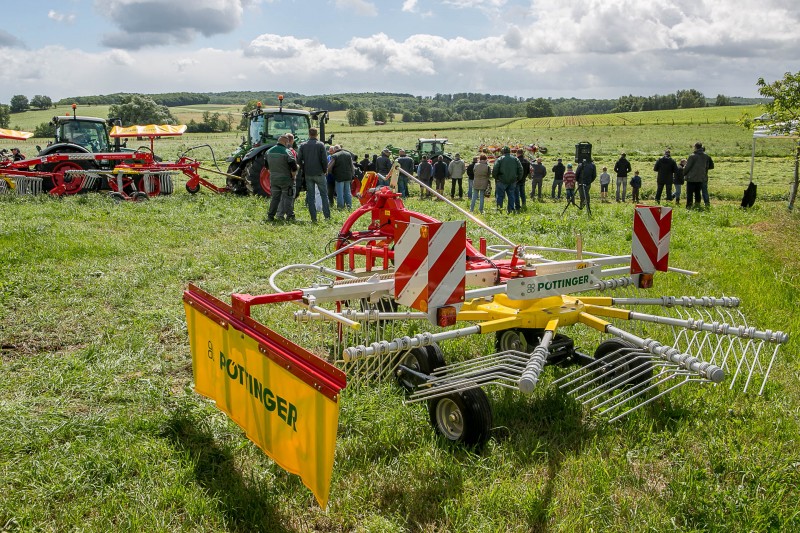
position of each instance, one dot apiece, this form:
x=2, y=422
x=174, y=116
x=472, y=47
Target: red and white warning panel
x=430, y=269
x=650, y=243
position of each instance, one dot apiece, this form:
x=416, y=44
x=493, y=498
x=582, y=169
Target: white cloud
x=69, y=18
x=410, y=6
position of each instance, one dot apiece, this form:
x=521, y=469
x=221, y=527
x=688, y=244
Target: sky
x=534, y=48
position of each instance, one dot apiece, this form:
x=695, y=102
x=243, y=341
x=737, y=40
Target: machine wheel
x=118, y=196
x=253, y=183
x=140, y=196
x=72, y=185
x=155, y=185
x=616, y=367
x=421, y=360
x=193, y=190
x=464, y=417
x=511, y=339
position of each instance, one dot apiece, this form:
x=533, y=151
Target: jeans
x=504, y=190
x=622, y=182
x=322, y=186
x=583, y=191
x=477, y=193
x=537, y=184
x=677, y=195
x=520, y=195
x=553, y=191
x=402, y=186
x=343, y=197
x=469, y=188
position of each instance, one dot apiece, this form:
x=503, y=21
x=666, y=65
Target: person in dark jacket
x=282, y=166
x=383, y=165
x=677, y=181
x=439, y=174
x=558, y=179
x=506, y=172
x=665, y=169
x=622, y=167
x=471, y=177
x=538, y=172
x=526, y=171
x=313, y=157
x=586, y=174
x=407, y=164
x=364, y=163
x=342, y=168
x=696, y=175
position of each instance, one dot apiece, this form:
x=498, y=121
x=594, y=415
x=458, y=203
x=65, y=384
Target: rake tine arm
x=529, y=378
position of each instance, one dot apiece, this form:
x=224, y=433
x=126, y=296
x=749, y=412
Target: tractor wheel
x=193, y=190
x=72, y=184
x=618, y=367
x=464, y=417
x=419, y=360
x=236, y=186
x=253, y=183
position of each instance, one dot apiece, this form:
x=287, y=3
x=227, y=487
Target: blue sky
x=548, y=48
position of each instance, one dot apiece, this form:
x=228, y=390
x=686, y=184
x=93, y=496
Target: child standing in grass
x=636, y=184
x=569, y=184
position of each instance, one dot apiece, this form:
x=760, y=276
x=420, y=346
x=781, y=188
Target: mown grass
x=102, y=431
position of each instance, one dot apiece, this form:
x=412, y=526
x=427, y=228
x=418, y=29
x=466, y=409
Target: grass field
x=101, y=429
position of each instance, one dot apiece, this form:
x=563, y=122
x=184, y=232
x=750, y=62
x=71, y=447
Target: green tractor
x=427, y=148
x=265, y=125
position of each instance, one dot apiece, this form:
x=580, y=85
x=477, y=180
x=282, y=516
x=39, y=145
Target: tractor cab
x=267, y=126
x=433, y=148
x=91, y=133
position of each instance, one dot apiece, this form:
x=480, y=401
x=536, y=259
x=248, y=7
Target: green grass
x=102, y=431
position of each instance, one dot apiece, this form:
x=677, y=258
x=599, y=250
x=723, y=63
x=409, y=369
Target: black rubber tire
x=140, y=196
x=192, y=190
x=616, y=367
x=117, y=196
x=251, y=173
x=464, y=417
x=420, y=360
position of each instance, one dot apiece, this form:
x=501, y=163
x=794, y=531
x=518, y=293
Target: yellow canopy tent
x=150, y=130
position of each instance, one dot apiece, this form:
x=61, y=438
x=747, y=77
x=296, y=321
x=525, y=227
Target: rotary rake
x=388, y=297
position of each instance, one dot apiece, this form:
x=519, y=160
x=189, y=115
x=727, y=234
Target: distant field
x=644, y=136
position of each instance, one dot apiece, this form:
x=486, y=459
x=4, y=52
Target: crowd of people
x=335, y=173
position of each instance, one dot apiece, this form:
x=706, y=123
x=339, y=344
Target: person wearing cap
x=282, y=166
x=456, y=169
x=665, y=168
x=383, y=165
x=16, y=154
x=506, y=172
x=696, y=175
x=558, y=179
x=538, y=172
x=406, y=164
x=621, y=168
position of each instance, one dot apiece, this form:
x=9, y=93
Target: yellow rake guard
x=285, y=398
